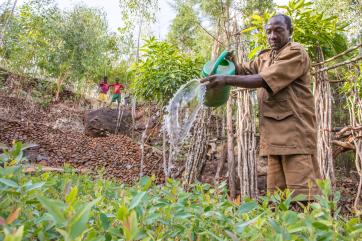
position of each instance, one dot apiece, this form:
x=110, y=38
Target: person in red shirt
x=117, y=91
x=103, y=87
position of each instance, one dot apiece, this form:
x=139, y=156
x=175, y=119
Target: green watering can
x=221, y=66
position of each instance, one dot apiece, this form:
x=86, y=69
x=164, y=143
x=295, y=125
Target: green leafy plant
x=68, y=206
x=311, y=28
x=161, y=71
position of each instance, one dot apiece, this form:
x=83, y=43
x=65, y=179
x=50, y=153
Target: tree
x=161, y=71
x=186, y=32
x=73, y=46
x=311, y=28
x=349, y=11
x=136, y=14
x=249, y=7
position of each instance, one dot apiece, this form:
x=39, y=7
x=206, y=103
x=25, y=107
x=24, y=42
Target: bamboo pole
x=246, y=143
x=355, y=113
x=196, y=156
x=323, y=109
x=230, y=149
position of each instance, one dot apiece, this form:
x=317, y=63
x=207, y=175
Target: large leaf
x=79, y=223
x=55, y=209
x=9, y=183
x=247, y=207
x=29, y=187
x=105, y=221
x=136, y=200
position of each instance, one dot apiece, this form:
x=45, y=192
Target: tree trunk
x=230, y=149
x=8, y=21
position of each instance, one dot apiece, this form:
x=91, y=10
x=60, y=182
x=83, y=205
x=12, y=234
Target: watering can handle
x=222, y=56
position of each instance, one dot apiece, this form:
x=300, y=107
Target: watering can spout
x=221, y=66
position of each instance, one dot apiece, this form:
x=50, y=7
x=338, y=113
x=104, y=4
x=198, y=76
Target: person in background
x=116, y=92
x=103, y=87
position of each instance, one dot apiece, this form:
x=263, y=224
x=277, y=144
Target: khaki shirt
x=287, y=116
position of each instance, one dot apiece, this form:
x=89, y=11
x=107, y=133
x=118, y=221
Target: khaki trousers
x=295, y=172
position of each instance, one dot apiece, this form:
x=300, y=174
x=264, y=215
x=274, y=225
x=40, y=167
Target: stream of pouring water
x=182, y=111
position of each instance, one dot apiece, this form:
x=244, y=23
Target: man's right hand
x=214, y=81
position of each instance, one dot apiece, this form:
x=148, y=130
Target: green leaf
x=252, y=53
x=16, y=235
x=183, y=215
x=80, y=220
x=320, y=225
x=276, y=226
x=231, y=235
x=64, y=234
x=71, y=197
x=136, y=200
x=55, y=209
x=122, y=212
x=105, y=221
x=31, y=187
x=4, y=157
x=248, y=30
x=9, y=183
x=240, y=227
x=247, y=207
x=146, y=183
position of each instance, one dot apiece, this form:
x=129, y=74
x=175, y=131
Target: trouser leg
x=275, y=174
x=301, y=172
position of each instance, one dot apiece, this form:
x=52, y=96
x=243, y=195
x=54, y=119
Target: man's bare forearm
x=246, y=81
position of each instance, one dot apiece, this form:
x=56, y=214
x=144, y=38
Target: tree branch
x=338, y=55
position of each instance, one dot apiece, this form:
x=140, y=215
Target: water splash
x=182, y=111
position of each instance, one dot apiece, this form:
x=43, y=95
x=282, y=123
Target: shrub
x=67, y=206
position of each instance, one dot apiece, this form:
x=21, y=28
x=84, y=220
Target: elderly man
x=287, y=116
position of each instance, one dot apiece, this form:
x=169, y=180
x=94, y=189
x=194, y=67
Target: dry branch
x=338, y=55
x=345, y=145
x=338, y=65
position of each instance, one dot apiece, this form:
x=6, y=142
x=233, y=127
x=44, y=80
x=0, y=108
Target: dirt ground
x=58, y=132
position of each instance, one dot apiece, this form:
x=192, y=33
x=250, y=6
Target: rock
x=98, y=123
x=102, y=122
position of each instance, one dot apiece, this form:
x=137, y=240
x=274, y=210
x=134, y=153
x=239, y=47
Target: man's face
x=277, y=32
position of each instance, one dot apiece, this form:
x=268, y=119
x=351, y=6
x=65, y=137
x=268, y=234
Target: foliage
x=135, y=14
x=349, y=11
x=257, y=7
x=354, y=81
x=161, y=71
x=66, y=206
x=70, y=46
x=311, y=27
x=186, y=33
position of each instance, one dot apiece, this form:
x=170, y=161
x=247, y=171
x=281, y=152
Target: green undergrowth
x=68, y=206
